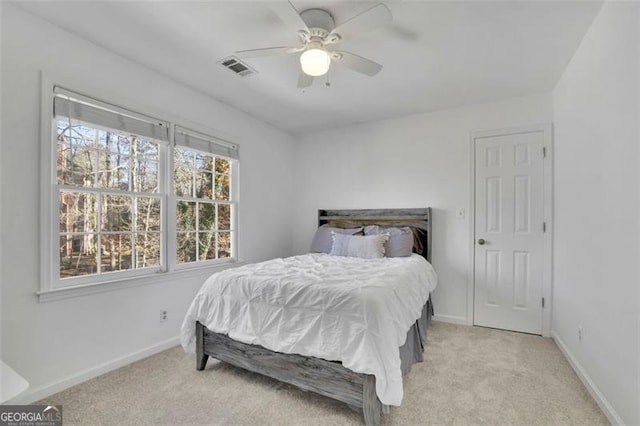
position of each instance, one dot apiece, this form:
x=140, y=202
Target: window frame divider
x=170, y=199
x=47, y=218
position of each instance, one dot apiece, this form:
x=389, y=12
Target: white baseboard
x=453, y=319
x=593, y=389
x=41, y=392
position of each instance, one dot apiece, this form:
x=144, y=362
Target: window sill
x=159, y=277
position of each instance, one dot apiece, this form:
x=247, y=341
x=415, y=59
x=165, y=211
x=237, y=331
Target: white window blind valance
x=200, y=142
x=77, y=107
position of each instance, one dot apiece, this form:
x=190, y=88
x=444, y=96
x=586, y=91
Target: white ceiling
x=435, y=54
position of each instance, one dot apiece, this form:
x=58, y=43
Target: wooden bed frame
x=328, y=378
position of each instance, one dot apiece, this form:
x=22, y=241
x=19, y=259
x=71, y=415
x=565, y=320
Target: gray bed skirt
x=413, y=349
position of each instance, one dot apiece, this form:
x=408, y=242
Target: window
x=204, y=201
x=112, y=184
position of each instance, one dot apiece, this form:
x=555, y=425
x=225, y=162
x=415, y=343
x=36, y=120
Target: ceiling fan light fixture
x=315, y=62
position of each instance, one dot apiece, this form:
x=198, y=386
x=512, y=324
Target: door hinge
x=544, y=152
x=543, y=302
x=544, y=226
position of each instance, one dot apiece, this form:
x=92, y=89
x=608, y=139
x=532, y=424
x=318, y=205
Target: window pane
x=147, y=250
x=207, y=247
x=146, y=148
x=224, y=216
x=222, y=187
x=114, y=143
x=186, y=247
x=116, y=252
x=148, y=215
x=183, y=182
x=116, y=213
x=223, y=166
x=123, y=143
x=207, y=216
x=63, y=163
x=63, y=131
x=183, y=172
x=184, y=155
x=114, y=171
x=224, y=245
x=185, y=216
x=204, y=162
x=145, y=172
x=204, y=185
x=79, y=165
x=78, y=255
x=82, y=136
x=78, y=212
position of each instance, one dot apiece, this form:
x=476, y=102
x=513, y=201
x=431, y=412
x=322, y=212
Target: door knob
x=481, y=241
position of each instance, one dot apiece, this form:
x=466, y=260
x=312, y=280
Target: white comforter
x=347, y=309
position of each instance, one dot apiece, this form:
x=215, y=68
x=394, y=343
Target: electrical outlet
x=580, y=333
x=164, y=315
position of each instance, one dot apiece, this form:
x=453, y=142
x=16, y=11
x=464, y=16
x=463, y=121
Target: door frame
x=547, y=189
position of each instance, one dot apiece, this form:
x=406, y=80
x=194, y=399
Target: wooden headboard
x=416, y=218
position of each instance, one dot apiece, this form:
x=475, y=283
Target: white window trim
x=48, y=291
x=201, y=270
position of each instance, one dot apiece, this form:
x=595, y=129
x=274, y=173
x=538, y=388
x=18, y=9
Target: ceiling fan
x=319, y=34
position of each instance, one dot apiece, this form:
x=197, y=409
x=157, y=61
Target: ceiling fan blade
x=403, y=32
x=266, y=51
x=304, y=80
x=289, y=14
x=356, y=63
x=371, y=18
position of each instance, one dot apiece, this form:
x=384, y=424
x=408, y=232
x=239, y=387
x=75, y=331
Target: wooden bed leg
x=371, y=406
x=201, y=358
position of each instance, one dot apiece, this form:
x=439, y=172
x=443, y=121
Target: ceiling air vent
x=237, y=66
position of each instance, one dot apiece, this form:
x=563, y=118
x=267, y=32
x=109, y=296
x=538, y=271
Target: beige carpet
x=470, y=376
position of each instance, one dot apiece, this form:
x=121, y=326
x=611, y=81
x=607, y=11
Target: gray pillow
x=400, y=243
x=322, y=240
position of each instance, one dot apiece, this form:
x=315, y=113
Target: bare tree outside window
x=202, y=185
x=109, y=207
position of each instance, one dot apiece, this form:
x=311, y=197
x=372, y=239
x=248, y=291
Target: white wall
x=638, y=218
x=58, y=341
x=415, y=161
x=1, y=185
x=596, y=209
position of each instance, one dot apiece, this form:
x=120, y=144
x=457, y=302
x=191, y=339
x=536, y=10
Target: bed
x=309, y=300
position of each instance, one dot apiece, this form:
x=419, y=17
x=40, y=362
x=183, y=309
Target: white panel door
x=509, y=240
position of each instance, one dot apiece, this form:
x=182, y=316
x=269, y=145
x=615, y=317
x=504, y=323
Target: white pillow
x=363, y=246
